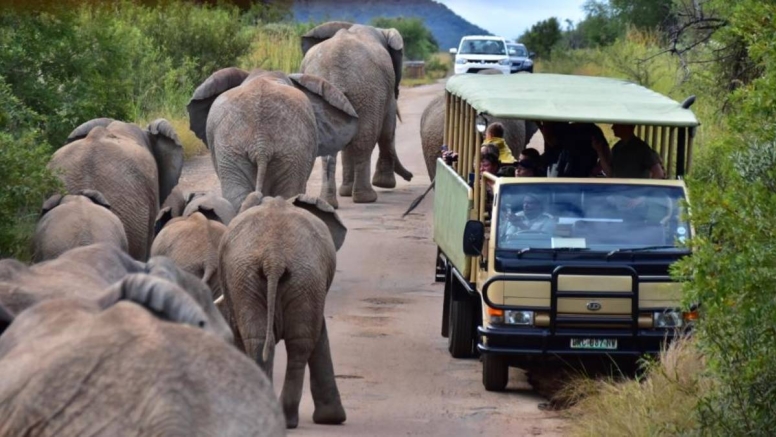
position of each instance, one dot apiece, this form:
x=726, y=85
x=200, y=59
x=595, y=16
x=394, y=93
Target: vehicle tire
x=460, y=336
x=530, y=70
x=495, y=372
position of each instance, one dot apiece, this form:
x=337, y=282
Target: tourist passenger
x=631, y=157
x=527, y=167
x=489, y=163
x=577, y=157
x=494, y=135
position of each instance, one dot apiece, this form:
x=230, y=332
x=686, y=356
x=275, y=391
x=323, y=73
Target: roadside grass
x=661, y=402
x=275, y=46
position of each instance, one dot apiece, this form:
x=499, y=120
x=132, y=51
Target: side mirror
x=473, y=238
x=453, y=51
x=531, y=55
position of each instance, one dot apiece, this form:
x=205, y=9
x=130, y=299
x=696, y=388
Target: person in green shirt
x=494, y=135
x=631, y=157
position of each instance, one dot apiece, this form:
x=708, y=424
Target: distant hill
x=446, y=26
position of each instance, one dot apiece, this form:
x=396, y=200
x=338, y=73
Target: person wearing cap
x=531, y=218
x=527, y=168
x=630, y=157
x=494, y=135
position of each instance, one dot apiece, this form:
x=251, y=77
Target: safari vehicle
x=595, y=281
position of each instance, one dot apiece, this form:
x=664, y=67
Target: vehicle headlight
x=528, y=62
x=523, y=318
x=668, y=319
x=460, y=61
x=504, y=62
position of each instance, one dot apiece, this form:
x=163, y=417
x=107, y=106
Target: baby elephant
x=276, y=262
x=76, y=220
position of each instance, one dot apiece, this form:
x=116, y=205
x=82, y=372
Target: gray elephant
x=134, y=169
x=366, y=64
x=84, y=272
x=265, y=129
x=277, y=261
x=210, y=204
x=517, y=133
x=138, y=360
x=192, y=243
x=75, y=220
x=176, y=201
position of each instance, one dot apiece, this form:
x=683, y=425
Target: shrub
x=24, y=181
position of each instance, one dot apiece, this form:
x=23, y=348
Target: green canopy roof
x=560, y=97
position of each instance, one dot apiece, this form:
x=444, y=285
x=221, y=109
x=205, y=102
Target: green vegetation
x=419, y=43
x=724, y=53
x=65, y=63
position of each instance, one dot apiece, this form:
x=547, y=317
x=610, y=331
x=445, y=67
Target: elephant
x=265, y=129
x=517, y=133
x=75, y=220
x=192, y=243
x=365, y=62
x=84, y=272
x=134, y=169
x=277, y=261
x=211, y=205
x=176, y=201
x=139, y=359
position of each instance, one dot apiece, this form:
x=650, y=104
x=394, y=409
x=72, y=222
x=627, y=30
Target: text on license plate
x=594, y=343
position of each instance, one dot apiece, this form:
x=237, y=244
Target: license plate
x=594, y=343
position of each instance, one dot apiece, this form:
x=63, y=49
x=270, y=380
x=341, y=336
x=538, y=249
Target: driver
x=531, y=218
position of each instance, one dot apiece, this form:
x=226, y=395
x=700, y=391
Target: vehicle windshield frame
x=503, y=46
x=672, y=229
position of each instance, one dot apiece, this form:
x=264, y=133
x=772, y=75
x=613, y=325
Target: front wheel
x=460, y=337
x=495, y=372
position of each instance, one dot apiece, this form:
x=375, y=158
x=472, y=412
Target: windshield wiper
x=642, y=249
x=550, y=250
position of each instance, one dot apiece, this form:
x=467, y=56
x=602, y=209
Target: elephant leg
x=328, y=405
x=328, y=182
x=346, y=189
x=388, y=161
x=298, y=351
x=254, y=348
x=362, y=188
x=238, y=178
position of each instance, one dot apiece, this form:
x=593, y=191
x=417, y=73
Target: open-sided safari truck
x=596, y=280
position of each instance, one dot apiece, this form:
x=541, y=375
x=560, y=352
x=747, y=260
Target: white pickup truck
x=476, y=53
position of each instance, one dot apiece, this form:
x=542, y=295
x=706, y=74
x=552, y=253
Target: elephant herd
x=149, y=310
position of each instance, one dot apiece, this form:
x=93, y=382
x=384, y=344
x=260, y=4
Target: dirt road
x=384, y=315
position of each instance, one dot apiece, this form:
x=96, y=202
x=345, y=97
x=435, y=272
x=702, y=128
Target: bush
x=24, y=180
x=419, y=43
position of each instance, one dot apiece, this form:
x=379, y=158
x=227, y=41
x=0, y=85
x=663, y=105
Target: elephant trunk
x=273, y=274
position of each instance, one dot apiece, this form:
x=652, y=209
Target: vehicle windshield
x=598, y=217
x=483, y=47
x=517, y=51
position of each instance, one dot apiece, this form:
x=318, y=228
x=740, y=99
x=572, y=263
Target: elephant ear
x=96, y=197
x=168, y=154
x=251, y=200
x=83, y=130
x=206, y=93
x=160, y=296
x=321, y=33
x=335, y=118
x=162, y=218
x=395, y=45
x=50, y=203
x=321, y=209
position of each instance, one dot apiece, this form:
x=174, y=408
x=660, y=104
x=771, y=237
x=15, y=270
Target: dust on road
x=384, y=314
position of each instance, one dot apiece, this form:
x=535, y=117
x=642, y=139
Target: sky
x=510, y=18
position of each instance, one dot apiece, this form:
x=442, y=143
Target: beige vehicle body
x=595, y=280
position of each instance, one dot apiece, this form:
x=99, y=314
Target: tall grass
x=662, y=402
x=275, y=46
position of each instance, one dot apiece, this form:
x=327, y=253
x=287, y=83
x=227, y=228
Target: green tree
x=542, y=37
x=419, y=43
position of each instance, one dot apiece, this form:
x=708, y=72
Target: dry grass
x=192, y=146
x=662, y=402
x=275, y=47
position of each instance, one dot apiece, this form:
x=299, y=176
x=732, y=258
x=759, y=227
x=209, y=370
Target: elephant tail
x=273, y=277
x=398, y=114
